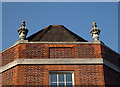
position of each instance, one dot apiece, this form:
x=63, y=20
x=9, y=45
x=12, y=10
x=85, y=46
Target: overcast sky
x=76, y=16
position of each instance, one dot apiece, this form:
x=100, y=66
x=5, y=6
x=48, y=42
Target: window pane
x=61, y=77
x=54, y=77
x=53, y=85
x=69, y=85
x=69, y=77
x=61, y=85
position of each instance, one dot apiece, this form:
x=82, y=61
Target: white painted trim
x=64, y=72
x=60, y=61
x=73, y=81
x=57, y=81
x=61, y=71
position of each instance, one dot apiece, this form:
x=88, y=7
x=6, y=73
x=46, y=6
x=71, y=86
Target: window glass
x=53, y=85
x=61, y=85
x=54, y=77
x=69, y=77
x=61, y=77
x=69, y=85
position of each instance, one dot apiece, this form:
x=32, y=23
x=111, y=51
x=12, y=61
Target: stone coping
x=60, y=61
x=26, y=41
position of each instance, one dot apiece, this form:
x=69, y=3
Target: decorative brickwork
x=61, y=52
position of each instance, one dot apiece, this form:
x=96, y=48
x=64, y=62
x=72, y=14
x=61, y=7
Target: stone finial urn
x=95, y=32
x=22, y=31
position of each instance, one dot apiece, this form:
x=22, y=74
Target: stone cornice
x=60, y=61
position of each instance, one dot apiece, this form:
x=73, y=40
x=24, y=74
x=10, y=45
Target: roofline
x=27, y=42
x=60, y=61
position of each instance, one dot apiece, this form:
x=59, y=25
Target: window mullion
x=57, y=80
x=50, y=79
x=64, y=82
x=72, y=79
x=65, y=79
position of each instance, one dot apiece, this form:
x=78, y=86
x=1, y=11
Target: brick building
x=56, y=56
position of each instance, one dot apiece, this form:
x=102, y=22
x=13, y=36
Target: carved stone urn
x=95, y=32
x=22, y=31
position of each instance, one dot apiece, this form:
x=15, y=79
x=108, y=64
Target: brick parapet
x=43, y=50
x=8, y=56
x=29, y=51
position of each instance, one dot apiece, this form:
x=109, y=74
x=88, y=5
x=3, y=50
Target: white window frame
x=64, y=72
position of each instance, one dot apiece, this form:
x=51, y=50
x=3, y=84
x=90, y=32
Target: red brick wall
x=83, y=75
x=61, y=52
x=8, y=56
x=39, y=74
x=7, y=77
x=85, y=51
x=30, y=51
x=112, y=78
x=110, y=55
x=36, y=51
x=34, y=75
